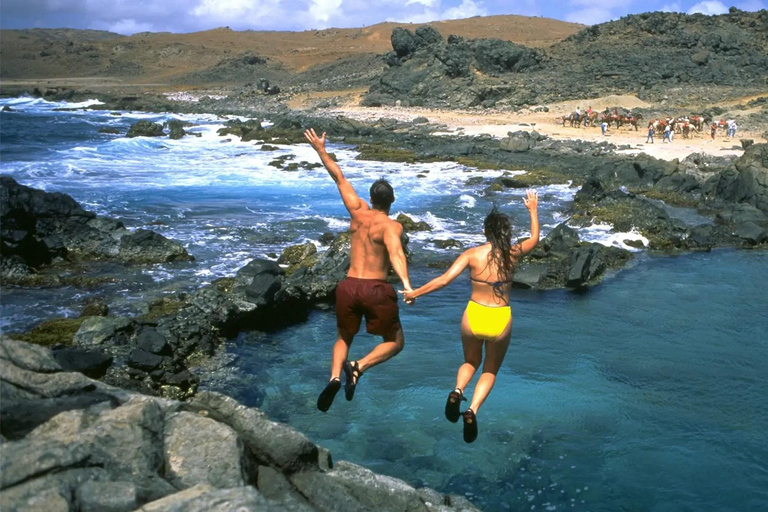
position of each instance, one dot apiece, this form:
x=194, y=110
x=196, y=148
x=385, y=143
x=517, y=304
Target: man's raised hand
x=318, y=143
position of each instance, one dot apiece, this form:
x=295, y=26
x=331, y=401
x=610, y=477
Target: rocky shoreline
x=72, y=443
x=156, y=353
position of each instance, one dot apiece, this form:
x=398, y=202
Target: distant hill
x=197, y=57
x=657, y=56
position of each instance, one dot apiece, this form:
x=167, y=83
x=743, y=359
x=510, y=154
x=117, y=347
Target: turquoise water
x=646, y=393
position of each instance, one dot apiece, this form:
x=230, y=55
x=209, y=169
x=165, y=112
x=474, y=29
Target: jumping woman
x=487, y=319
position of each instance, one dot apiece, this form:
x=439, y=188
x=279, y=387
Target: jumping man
x=375, y=247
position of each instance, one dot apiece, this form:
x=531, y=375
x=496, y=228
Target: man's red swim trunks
x=373, y=298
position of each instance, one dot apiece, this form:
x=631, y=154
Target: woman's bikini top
x=497, y=285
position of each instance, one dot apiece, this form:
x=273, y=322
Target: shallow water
x=644, y=393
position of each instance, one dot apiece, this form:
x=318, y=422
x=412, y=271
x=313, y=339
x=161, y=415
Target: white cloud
x=709, y=7
x=590, y=16
x=425, y=3
x=128, y=27
x=323, y=10
x=673, y=7
x=466, y=9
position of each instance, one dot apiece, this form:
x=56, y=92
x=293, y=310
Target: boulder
x=199, y=450
x=145, y=128
x=294, y=254
x=404, y=42
x=91, y=363
x=95, y=330
x=204, y=498
x=751, y=233
x=273, y=444
x=144, y=246
x=410, y=226
x=94, y=496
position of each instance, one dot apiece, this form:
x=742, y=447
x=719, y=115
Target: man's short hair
x=382, y=195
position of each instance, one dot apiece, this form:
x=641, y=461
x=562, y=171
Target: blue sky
x=131, y=16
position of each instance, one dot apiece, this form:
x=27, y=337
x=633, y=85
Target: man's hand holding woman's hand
x=408, y=297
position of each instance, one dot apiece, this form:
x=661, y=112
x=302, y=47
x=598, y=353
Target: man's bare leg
x=385, y=350
x=340, y=351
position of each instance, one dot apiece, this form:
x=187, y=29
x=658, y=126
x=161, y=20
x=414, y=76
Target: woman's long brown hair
x=498, y=231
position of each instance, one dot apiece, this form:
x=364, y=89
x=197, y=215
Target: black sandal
x=325, y=399
x=455, y=398
x=470, y=426
x=351, y=371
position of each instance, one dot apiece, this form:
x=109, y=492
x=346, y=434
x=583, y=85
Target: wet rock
x=176, y=129
x=144, y=246
x=37, y=227
x=145, y=128
x=149, y=340
x=294, y=254
x=410, y=226
x=326, y=238
x=91, y=363
x=144, y=361
x=447, y=244
x=95, y=307
x=96, y=330
x=751, y=233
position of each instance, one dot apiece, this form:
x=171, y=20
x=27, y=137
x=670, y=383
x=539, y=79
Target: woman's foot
x=470, y=426
x=455, y=398
x=325, y=399
x=353, y=374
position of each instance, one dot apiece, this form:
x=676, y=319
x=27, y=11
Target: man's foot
x=353, y=374
x=455, y=398
x=470, y=426
x=325, y=399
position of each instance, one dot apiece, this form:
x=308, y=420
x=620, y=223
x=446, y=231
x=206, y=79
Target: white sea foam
x=605, y=235
x=466, y=201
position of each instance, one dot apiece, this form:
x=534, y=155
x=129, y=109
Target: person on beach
x=375, y=247
x=713, y=130
x=667, y=131
x=487, y=320
x=604, y=126
x=650, y=134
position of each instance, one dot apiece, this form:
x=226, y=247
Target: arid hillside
x=223, y=55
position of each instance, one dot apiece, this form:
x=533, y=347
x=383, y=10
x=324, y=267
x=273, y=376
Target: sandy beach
x=498, y=124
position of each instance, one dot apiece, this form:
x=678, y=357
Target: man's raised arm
x=351, y=200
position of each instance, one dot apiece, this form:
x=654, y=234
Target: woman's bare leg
x=473, y=355
x=494, y=356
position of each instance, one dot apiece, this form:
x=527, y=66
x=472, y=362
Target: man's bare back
x=375, y=247
x=368, y=255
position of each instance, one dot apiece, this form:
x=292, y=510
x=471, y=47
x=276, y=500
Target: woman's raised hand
x=532, y=201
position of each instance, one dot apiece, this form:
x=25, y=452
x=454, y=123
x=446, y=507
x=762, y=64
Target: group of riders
x=686, y=126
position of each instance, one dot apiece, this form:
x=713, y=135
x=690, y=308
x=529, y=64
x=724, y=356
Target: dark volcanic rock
x=145, y=128
x=38, y=227
x=91, y=363
x=560, y=260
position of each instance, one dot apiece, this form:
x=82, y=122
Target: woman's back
x=489, y=286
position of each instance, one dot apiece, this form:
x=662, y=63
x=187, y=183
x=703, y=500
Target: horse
x=570, y=117
x=698, y=122
x=631, y=120
x=590, y=118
